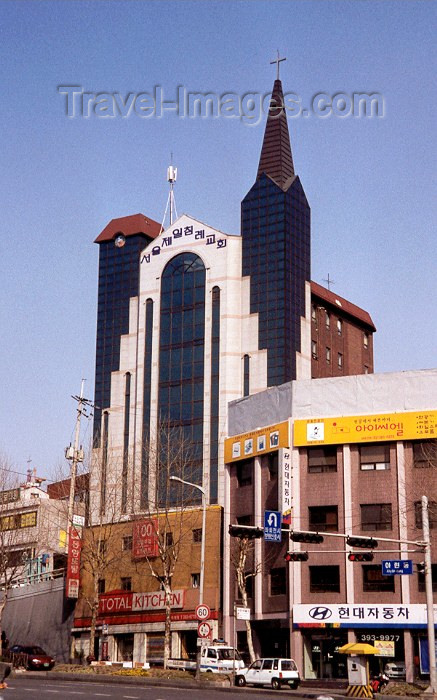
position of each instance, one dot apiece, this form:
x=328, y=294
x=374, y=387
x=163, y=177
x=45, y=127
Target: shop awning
x=357, y=648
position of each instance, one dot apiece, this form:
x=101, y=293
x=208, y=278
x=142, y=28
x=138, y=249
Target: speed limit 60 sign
x=203, y=612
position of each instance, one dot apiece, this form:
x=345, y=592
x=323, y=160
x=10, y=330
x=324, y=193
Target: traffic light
x=296, y=556
x=364, y=542
x=421, y=567
x=311, y=537
x=360, y=556
x=249, y=532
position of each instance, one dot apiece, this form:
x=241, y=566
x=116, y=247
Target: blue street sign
x=391, y=567
x=272, y=526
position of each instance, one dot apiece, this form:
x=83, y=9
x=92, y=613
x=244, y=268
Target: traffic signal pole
x=308, y=536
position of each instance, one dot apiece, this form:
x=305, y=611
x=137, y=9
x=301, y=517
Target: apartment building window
x=16, y=558
x=339, y=326
x=246, y=375
x=244, y=472
x=324, y=579
x=314, y=349
x=366, y=369
x=126, y=543
x=197, y=534
x=432, y=514
x=26, y=519
x=126, y=583
x=313, y=313
x=169, y=539
x=340, y=360
x=323, y=518
x=421, y=579
x=278, y=580
x=374, y=581
x=366, y=340
x=328, y=355
x=102, y=548
x=375, y=457
x=101, y=586
x=322, y=459
x=195, y=580
x=376, y=516
x=17, y=521
x=327, y=320
x=421, y=459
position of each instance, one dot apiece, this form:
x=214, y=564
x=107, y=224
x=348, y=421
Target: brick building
x=360, y=455
x=341, y=336
x=131, y=615
x=191, y=318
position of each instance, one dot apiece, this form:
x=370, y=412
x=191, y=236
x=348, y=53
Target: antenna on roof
x=172, y=174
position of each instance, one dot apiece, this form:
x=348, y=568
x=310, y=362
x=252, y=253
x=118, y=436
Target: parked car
x=395, y=669
x=33, y=657
x=273, y=672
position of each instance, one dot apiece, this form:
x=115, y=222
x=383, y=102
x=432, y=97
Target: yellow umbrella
x=357, y=648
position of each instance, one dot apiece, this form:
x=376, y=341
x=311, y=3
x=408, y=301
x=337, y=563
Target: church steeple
x=276, y=159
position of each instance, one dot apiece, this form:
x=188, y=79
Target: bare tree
x=100, y=553
x=246, y=568
x=15, y=521
x=168, y=507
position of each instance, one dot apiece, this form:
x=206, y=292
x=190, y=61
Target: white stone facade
x=221, y=256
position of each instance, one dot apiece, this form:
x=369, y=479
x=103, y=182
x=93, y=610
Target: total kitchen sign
x=127, y=601
x=357, y=615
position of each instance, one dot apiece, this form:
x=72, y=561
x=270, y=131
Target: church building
x=191, y=318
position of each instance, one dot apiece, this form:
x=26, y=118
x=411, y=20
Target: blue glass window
x=181, y=355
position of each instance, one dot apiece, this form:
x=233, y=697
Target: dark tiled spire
x=276, y=159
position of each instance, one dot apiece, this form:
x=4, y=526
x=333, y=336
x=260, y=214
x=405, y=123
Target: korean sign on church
x=184, y=234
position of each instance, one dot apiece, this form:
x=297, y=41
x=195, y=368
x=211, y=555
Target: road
x=44, y=688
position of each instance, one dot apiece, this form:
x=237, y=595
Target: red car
x=33, y=657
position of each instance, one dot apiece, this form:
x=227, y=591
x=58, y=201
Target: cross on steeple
x=277, y=61
x=329, y=281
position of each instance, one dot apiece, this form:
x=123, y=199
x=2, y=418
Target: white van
x=274, y=672
x=215, y=658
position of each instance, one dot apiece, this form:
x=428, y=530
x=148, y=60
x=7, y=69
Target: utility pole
x=74, y=455
x=432, y=688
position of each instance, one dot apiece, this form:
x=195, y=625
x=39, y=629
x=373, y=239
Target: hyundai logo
x=320, y=613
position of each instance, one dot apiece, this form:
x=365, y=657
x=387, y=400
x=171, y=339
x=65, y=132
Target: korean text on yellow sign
x=420, y=425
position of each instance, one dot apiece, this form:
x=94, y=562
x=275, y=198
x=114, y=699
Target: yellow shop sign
x=415, y=425
x=257, y=442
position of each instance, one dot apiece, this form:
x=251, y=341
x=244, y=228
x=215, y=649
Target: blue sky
x=370, y=181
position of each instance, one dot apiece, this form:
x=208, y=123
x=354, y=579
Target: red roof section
x=129, y=226
x=346, y=306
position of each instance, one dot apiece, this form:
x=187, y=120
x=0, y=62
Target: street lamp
x=202, y=547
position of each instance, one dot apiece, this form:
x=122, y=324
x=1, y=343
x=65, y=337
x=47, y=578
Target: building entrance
x=325, y=660
x=125, y=647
